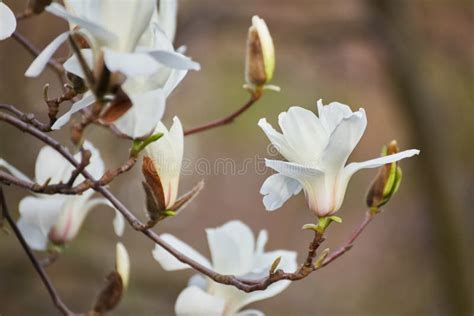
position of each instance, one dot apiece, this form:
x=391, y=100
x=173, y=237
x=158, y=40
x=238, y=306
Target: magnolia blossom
x=7, y=21
x=233, y=251
x=122, y=263
x=58, y=217
x=134, y=38
x=317, y=149
x=166, y=155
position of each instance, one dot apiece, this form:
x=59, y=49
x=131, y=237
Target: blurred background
x=408, y=63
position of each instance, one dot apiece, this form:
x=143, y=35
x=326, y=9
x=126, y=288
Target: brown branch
x=255, y=96
x=26, y=117
x=243, y=284
x=39, y=269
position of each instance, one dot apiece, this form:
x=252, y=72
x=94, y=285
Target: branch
x=39, y=269
x=228, y=119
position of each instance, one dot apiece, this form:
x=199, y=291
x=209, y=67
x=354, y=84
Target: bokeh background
x=408, y=63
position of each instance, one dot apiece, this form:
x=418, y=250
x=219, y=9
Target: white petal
x=14, y=171
x=279, y=141
x=122, y=263
x=51, y=165
x=293, y=170
x=32, y=234
x=130, y=64
x=41, y=61
x=95, y=29
x=119, y=223
x=41, y=212
x=332, y=114
x=73, y=66
x=352, y=168
x=96, y=165
x=87, y=100
x=232, y=248
x=277, y=189
x=250, y=312
x=174, y=60
x=261, y=241
x=7, y=21
x=169, y=262
x=175, y=77
x=304, y=132
x=141, y=119
x=167, y=17
x=195, y=302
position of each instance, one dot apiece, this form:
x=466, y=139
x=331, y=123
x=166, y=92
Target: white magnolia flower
x=7, y=21
x=153, y=70
x=233, y=251
x=122, y=264
x=317, y=149
x=166, y=155
x=58, y=217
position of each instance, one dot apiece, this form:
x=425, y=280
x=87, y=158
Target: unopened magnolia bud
x=260, y=58
x=37, y=6
x=387, y=181
x=117, y=282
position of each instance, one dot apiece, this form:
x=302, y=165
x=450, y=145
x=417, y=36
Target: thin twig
x=39, y=269
x=225, y=120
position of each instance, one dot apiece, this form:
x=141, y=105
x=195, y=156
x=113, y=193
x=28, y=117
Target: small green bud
x=321, y=258
x=275, y=264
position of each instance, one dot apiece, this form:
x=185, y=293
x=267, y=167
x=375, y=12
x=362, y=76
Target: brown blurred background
x=408, y=63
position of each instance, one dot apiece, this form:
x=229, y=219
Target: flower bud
x=387, y=181
x=260, y=58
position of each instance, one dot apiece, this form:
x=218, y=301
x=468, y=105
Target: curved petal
x=193, y=301
x=43, y=58
x=277, y=189
x=147, y=110
x=87, y=100
x=250, y=312
x=122, y=263
x=175, y=77
x=304, y=132
x=352, y=168
x=41, y=212
x=33, y=235
x=332, y=114
x=279, y=141
x=261, y=241
x=51, y=165
x=130, y=64
x=13, y=170
x=73, y=66
x=119, y=223
x=232, y=248
x=96, y=165
x=7, y=21
x=95, y=29
x=169, y=262
x=174, y=60
x=167, y=17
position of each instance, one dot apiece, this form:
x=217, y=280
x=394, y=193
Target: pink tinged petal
x=141, y=119
x=232, y=248
x=304, y=132
x=7, y=21
x=41, y=212
x=169, y=262
x=277, y=189
x=193, y=301
x=352, y=168
x=13, y=170
x=130, y=64
x=73, y=66
x=41, y=61
x=279, y=141
x=87, y=100
x=94, y=29
x=174, y=60
x=33, y=235
x=50, y=165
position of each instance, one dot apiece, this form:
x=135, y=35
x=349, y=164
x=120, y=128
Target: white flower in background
x=166, y=156
x=58, y=217
x=233, y=251
x=7, y=21
x=153, y=70
x=317, y=149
